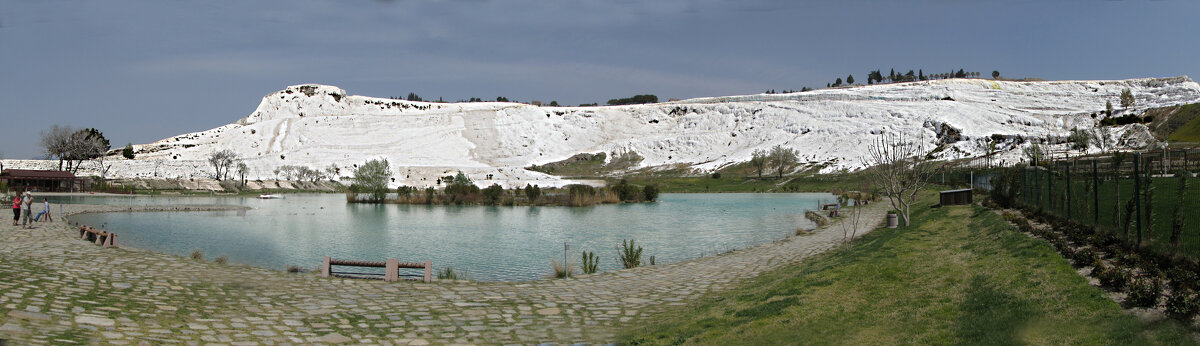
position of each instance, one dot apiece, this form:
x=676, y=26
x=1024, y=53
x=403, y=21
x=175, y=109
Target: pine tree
x=850, y=79
x=921, y=74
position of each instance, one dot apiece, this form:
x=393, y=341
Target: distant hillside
x=495, y=142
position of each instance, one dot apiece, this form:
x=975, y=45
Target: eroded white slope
x=318, y=125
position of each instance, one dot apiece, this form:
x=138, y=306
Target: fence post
x=1050, y=186
x=1137, y=196
x=1095, y=196
x=1070, y=165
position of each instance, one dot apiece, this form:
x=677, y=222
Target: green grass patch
x=1189, y=131
x=958, y=275
x=1053, y=197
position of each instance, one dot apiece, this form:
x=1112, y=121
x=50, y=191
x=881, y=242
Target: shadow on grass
x=991, y=317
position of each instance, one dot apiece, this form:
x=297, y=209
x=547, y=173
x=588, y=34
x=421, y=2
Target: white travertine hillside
x=319, y=125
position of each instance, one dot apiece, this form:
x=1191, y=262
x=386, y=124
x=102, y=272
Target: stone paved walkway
x=55, y=288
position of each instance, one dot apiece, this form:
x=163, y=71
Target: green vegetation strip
x=1190, y=131
x=958, y=275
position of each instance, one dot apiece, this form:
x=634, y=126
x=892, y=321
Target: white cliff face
x=318, y=126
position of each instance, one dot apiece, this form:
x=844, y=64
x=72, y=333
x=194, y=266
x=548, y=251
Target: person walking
x=45, y=212
x=16, y=208
x=27, y=210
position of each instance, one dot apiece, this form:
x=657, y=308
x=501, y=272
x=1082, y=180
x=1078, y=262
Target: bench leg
x=428, y=271
x=391, y=270
x=325, y=267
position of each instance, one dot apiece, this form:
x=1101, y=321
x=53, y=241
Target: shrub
x=197, y=255
x=629, y=254
x=1182, y=278
x=1111, y=276
x=590, y=263
x=127, y=152
x=561, y=270
x=492, y=193
x=625, y=191
x=650, y=192
x=429, y=192
x=1144, y=291
x=1183, y=305
x=222, y=259
x=532, y=192
x=448, y=273
x=1084, y=256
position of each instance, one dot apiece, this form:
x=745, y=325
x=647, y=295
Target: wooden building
x=957, y=197
x=40, y=181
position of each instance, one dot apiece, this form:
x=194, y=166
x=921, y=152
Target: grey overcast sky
x=144, y=70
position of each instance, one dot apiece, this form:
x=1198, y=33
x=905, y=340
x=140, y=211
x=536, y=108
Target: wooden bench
x=99, y=236
x=391, y=271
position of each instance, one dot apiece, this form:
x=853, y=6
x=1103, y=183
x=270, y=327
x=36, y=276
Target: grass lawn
x=958, y=275
x=1190, y=131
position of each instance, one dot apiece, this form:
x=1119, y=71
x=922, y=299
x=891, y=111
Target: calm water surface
x=487, y=243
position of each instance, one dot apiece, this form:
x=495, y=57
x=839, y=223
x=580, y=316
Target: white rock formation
x=318, y=125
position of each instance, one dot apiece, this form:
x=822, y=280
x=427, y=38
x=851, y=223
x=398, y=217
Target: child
x=45, y=211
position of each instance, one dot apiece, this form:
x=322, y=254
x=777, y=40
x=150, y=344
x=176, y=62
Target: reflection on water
x=487, y=243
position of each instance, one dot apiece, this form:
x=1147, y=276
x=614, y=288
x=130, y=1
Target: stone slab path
x=57, y=289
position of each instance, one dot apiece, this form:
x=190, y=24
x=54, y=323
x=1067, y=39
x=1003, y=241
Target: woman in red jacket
x=16, y=209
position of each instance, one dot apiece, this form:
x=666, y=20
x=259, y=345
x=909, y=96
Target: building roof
x=953, y=191
x=36, y=174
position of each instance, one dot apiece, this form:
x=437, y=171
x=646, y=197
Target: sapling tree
x=851, y=220
x=242, y=171
x=898, y=166
x=758, y=161
x=783, y=159
x=1127, y=99
x=629, y=254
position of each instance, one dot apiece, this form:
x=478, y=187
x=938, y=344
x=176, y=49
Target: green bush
x=492, y=193
x=625, y=191
x=532, y=192
x=590, y=262
x=1084, y=257
x=629, y=254
x=1144, y=291
x=1183, y=305
x=650, y=193
x=448, y=273
x=1112, y=276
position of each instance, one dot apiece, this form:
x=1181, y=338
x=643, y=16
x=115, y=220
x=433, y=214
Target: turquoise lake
x=484, y=242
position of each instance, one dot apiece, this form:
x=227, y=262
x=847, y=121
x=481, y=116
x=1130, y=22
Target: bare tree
x=1102, y=138
x=851, y=220
x=56, y=142
x=333, y=171
x=899, y=167
x=83, y=145
x=221, y=162
x=782, y=159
